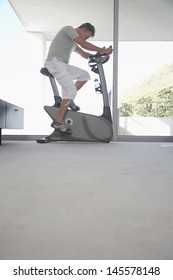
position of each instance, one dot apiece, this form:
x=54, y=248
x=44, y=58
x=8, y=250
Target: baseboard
x=119, y=138
x=133, y=138
x=21, y=137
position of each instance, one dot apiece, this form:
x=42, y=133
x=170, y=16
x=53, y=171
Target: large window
x=145, y=88
x=145, y=67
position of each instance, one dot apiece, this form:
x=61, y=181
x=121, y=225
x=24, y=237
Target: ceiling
x=138, y=19
x=49, y=16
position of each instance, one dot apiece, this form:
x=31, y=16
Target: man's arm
x=82, y=52
x=90, y=47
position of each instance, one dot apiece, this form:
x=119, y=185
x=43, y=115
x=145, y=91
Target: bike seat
x=45, y=72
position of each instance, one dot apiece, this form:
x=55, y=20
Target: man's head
x=86, y=30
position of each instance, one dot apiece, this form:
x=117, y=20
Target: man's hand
x=104, y=58
x=108, y=50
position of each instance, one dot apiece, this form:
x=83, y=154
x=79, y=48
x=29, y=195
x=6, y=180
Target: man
x=67, y=40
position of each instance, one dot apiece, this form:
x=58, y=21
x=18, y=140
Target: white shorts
x=65, y=74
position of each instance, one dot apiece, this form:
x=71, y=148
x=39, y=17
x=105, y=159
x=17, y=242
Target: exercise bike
x=82, y=126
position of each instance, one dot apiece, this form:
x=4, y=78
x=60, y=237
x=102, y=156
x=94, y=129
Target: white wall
x=21, y=56
x=23, y=83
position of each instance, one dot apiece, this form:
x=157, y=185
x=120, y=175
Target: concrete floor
x=86, y=201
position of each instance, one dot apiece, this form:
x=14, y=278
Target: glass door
x=145, y=69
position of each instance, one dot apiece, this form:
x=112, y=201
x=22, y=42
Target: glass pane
x=145, y=91
x=145, y=67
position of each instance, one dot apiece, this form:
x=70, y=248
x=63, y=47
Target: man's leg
x=63, y=109
x=64, y=106
x=69, y=90
x=72, y=105
x=66, y=103
x=78, y=85
x=58, y=123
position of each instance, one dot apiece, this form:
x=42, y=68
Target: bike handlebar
x=93, y=57
x=98, y=55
